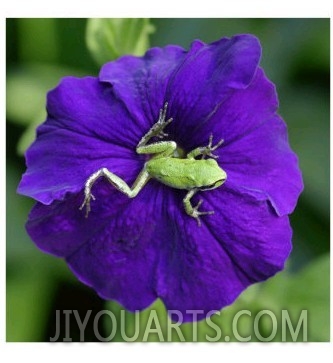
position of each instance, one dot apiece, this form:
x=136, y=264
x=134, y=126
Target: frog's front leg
x=162, y=148
x=157, y=129
x=117, y=182
x=205, y=150
x=193, y=211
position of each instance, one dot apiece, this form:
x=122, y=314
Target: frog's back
x=182, y=173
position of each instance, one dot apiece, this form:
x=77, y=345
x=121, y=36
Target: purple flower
x=137, y=250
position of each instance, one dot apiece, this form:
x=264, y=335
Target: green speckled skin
x=186, y=173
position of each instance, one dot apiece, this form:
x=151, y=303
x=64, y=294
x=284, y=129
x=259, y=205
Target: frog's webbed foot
x=194, y=211
x=207, y=151
x=88, y=196
x=161, y=123
x=86, y=202
x=157, y=129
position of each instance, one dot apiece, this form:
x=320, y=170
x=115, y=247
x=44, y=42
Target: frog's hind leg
x=193, y=211
x=117, y=182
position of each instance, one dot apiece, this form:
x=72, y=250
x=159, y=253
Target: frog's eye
x=214, y=185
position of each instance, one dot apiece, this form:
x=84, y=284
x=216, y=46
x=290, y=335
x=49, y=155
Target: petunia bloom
x=136, y=250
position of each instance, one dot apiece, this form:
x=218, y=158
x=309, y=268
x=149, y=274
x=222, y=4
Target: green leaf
x=310, y=138
x=38, y=39
x=29, y=295
x=31, y=276
x=26, y=90
x=108, y=39
x=19, y=245
x=29, y=135
x=309, y=289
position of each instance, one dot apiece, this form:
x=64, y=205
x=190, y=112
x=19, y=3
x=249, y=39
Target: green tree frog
x=167, y=167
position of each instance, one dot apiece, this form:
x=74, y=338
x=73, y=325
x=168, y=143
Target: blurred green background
x=296, y=57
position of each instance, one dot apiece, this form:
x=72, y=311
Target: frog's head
x=215, y=176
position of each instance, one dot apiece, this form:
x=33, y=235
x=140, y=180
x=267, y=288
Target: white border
x=159, y=352
x=167, y=8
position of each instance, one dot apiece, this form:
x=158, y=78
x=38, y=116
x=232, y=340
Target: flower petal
x=262, y=164
x=86, y=129
x=115, y=250
x=255, y=154
x=209, y=74
x=61, y=227
x=140, y=82
x=205, y=268
x=241, y=112
x=120, y=261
